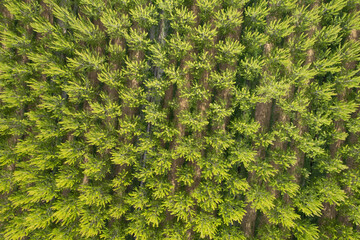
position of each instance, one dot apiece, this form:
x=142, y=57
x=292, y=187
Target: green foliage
x=227, y=20
x=206, y=225
x=180, y=205
x=173, y=119
x=283, y=214
x=305, y=230
x=309, y=202
x=145, y=16
x=256, y=14
x=260, y=198
x=229, y=51
x=232, y=210
x=115, y=25
x=182, y=20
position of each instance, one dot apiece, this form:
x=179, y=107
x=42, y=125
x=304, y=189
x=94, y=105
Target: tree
x=175, y=119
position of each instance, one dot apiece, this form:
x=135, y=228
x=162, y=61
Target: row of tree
x=179, y=119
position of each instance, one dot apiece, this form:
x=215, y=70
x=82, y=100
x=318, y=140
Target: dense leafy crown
x=174, y=119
